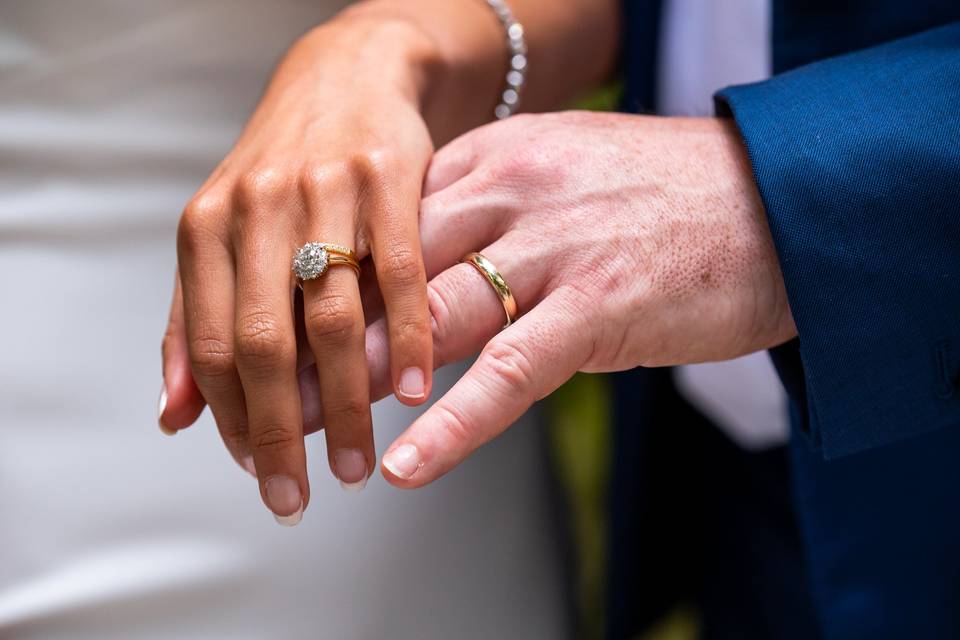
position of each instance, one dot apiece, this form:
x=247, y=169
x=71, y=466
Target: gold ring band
x=337, y=259
x=500, y=286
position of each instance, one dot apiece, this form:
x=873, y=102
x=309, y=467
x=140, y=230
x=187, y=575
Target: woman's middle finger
x=334, y=325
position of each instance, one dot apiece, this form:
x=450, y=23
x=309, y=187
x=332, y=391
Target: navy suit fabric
x=855, y=146
x=881, y=537
x=858, y=163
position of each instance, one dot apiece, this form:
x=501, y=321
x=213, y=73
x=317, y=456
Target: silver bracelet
x=517, y=47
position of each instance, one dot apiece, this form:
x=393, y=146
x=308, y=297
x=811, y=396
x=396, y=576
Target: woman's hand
x=627, y=241
x=335, y=152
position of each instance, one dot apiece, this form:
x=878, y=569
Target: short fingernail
x=411, y=382
x=350, y=465
x=404, y=461
x=284, y=499
x=161, y=407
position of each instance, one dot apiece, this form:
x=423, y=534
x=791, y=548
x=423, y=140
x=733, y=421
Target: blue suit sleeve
x=857, y=159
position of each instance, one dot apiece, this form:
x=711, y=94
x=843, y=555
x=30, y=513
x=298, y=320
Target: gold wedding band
x=500, y=286
x=336, y=259
x=314, y=258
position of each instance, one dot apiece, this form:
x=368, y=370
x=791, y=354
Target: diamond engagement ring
x=314, y=258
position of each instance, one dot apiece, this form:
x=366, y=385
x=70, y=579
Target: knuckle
x=265, y=185
x=211, y=357
x=234, y=433
x=332, y=319
x=348, y=411
x=522, y=161
x=201, y=218
x=528, y=163
x=401, y=267
x=412, y=331
x=509, y=365
x=205, y=205
x=261, y=341
x=273, y=438
x=202, y=208
x=374, y=165
x=319, y=179
x=439, y=315
x=455, y=426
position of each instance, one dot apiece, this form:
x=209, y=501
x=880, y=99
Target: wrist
x=390, y=51
x=772, y=322
x=452, y=55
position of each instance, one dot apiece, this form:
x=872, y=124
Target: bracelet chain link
x=517, y=48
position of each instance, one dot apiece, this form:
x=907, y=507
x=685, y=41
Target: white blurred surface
x=111, y=114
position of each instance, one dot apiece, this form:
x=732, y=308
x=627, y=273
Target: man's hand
x=627, y=241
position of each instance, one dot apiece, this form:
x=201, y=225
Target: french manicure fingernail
x=404, y=461
x=161, y=407
x=284, y=500
x=411, y=382
x=350, y=467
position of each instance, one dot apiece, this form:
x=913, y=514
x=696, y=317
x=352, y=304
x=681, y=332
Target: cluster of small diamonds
x=517, y=74
x=310, y=261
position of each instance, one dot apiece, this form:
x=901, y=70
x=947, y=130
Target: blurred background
x=111, y=115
